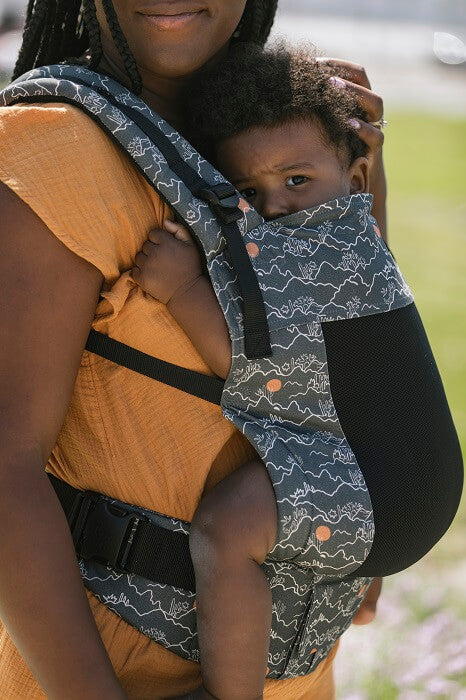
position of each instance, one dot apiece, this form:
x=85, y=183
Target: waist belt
x=114, y=534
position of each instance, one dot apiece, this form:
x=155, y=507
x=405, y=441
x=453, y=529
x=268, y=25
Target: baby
x=286, y=148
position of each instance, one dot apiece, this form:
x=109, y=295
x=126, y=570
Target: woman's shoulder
x=84, y=188
x=49, y=128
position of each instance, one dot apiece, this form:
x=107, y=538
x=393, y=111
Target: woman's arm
x=48, y=298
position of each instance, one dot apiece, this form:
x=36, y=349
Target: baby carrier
x=277, y=283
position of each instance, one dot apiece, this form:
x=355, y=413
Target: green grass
x=426, y=166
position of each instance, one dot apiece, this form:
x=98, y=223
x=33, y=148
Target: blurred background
x=415, y=56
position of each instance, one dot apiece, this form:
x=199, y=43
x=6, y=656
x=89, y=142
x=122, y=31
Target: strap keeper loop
x=224, y=200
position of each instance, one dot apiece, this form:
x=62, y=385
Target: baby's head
x=275, y=126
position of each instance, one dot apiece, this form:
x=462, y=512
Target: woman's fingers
x=371, y=103
x=373, y=136
x=354, y=72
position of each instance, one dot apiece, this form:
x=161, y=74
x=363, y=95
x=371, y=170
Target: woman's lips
x=172, y=21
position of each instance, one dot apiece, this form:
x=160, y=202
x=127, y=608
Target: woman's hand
x=169, y=263
x=353, y=77
x=368, y=609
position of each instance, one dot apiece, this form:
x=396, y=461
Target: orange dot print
x=323, y=533
x=244, y=205
x=253, y=250
x=377, y=230
x=274, y=385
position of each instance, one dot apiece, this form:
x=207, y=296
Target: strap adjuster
x=224, y=199
x=103, y=531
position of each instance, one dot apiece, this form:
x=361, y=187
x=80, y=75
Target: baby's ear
x=359, y=175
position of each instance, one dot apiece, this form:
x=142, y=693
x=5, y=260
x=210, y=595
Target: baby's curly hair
x=268, y=87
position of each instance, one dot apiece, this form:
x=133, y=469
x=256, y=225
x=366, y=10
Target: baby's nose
x=273, y=205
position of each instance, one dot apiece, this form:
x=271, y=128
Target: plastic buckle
x=105, y=532
x=224, y=199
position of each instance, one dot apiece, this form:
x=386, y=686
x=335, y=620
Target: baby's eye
x=296, y=180
x=249, y=193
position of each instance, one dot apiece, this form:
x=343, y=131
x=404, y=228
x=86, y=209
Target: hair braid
x=55, y=41
x=257, y=21
x=49, y=22
x=36, y=15
x=122, y=46
x=72, y=44
x=93, y=30
x=29, y=12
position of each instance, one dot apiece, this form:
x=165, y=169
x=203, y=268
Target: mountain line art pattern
x=318, y=266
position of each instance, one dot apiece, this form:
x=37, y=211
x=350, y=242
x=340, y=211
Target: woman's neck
x=161, y=94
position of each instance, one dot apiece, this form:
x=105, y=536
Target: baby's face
x=284, y=169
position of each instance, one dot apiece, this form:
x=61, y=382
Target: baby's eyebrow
x=295, y=166
x=276, y=169
x=239, y=181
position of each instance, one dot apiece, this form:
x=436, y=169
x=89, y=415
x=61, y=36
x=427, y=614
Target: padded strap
x=200, y=385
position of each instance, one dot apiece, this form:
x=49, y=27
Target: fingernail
x=354, y=124
x=337, y=82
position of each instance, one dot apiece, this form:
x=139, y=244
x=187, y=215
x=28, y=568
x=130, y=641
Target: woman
x=74, y=215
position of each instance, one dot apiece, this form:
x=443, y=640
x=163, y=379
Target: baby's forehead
x=277, y=147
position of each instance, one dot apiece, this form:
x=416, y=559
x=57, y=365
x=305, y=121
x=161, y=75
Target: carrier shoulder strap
x=222, y=199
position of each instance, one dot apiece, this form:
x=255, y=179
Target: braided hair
x=62, y=30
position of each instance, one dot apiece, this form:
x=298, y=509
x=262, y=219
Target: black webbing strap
x=219, y=197
x=200, y=385
x=113, y=534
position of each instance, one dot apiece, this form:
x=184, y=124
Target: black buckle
x=224, y=199
x=102, y=531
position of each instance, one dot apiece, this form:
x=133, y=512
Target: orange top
x=125, y=435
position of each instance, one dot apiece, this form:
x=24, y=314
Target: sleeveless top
x=124, y=435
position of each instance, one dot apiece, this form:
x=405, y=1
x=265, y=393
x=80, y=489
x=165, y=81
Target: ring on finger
x=380, y=123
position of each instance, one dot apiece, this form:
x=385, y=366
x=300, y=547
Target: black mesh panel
x=391, y=404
